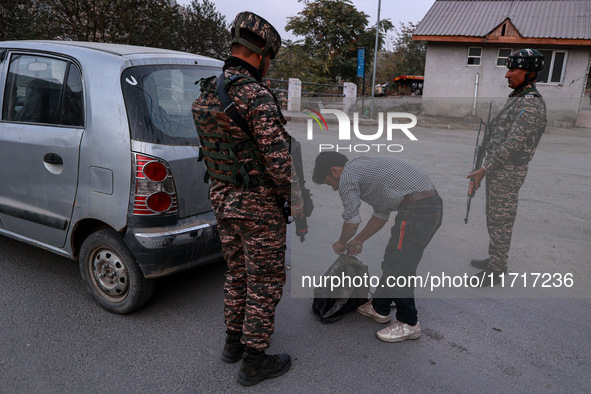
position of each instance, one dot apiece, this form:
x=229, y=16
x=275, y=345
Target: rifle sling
x=230, y=106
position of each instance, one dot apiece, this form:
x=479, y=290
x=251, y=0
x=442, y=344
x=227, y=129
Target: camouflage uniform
x=515, y=133
x=250, y=220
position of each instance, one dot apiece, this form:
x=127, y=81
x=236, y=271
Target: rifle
x=479, y=152
x=301, y=224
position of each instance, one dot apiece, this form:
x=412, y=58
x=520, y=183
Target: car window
x=73, y=108
x=35, y=91
x=159, y=99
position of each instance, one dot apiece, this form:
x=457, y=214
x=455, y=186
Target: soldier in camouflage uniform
x=252, y=176
x=514, y=137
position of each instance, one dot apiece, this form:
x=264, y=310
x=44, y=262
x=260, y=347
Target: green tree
x=140, y=22
x=408, y=56
x=293, y=61
x=204, y=30
x=81, y=21
x=333, y=30
x=152, y=23
x=18, y=19
x=136, y=22
x=197, y=28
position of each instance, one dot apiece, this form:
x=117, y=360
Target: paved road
x=54, y=338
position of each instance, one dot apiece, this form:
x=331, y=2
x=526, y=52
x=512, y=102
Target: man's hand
x=347, y=232
x=354, y=247
x=475, y=179
x=339, y=247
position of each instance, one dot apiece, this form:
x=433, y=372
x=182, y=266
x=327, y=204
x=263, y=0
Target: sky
x=277, y=11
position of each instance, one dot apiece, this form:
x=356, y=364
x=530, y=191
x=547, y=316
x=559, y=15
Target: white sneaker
x=367, y=310
x=399, y=331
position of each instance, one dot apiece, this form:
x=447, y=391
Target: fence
x=315, y=94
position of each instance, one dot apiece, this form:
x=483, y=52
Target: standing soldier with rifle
x=513, y=136
x=246, y=149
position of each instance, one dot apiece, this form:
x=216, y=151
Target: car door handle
x=53, y=158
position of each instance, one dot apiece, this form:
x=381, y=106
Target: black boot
x=233, y=348
x=480, y=264
x=256, y=366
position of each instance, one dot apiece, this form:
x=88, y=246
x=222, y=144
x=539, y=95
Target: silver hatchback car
x=98, y=156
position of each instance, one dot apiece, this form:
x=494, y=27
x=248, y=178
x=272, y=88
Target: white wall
x=449, y=88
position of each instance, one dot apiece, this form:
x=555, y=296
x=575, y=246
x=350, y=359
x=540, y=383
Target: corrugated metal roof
x=567, y=19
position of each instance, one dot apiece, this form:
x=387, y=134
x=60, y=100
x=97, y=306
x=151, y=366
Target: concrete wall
x=450, y=84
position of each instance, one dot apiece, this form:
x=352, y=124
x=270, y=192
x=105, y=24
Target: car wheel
x=418, y=92
x=111, y=273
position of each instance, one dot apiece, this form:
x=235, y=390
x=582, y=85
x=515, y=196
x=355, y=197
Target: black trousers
x=415, y=225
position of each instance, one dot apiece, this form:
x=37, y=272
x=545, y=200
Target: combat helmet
x=259, y=26
x=528, y=59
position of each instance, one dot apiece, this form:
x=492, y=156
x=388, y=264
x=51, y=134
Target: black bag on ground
x=332, y=305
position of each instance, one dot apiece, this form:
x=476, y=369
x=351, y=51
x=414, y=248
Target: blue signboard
x=361, y=62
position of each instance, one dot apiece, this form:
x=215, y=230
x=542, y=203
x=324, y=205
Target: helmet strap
x=264, y=53
x=526, y=80
x=248, y=44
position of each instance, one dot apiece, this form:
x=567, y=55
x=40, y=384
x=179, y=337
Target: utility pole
x=375, y=58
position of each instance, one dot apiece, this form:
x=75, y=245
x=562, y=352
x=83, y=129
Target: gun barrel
x=468, y=209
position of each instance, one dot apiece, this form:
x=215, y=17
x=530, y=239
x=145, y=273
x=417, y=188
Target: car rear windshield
x=159, y=99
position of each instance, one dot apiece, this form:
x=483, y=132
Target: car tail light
x=155, y=193
x=159, y=202
x=155, y=171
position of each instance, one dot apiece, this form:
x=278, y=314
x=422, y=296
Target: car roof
x=130, y=52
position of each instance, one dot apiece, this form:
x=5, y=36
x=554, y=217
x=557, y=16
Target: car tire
x=112, y=274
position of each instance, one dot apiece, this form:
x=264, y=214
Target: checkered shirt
x=382, y=182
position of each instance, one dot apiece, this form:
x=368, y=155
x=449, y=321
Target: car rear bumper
x=161, y=251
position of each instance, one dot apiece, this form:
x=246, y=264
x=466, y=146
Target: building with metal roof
x=532, y=19
x=468, y=42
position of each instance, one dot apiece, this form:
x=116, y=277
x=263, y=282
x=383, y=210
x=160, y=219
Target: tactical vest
x=227, y=158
